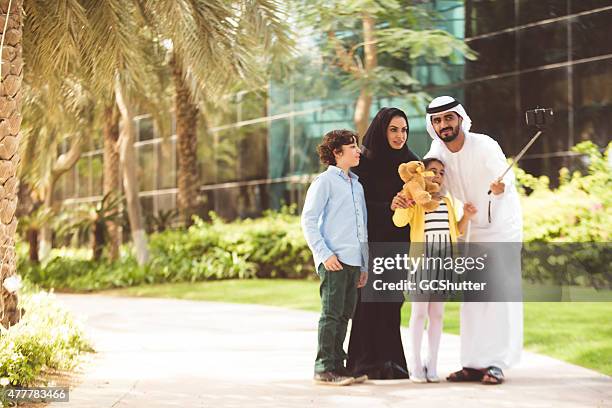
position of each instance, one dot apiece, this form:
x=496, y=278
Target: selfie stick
x=520, y=155
x=469, y=226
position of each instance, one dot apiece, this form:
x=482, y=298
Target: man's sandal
x=465, y=375
x=493, y=376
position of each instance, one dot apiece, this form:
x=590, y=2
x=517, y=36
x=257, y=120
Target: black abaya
x=375, y=346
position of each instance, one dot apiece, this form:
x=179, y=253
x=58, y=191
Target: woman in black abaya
x=375, y=346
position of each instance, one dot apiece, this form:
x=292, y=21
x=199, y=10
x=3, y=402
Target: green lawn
x=579, y=332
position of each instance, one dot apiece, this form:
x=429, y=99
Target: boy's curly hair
x=333, y=142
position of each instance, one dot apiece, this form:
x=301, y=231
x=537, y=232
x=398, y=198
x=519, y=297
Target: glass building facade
x=259, y=151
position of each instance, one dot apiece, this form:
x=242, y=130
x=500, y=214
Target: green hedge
x=268, y=247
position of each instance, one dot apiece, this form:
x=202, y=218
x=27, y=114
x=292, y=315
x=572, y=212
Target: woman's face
x=397, y=132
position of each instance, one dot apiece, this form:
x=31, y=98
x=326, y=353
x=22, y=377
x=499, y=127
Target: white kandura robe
x=491, y=332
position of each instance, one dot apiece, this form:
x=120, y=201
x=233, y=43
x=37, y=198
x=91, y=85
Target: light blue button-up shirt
x=334, y=218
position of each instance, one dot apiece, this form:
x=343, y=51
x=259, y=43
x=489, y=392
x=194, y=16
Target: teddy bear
x=416, y=186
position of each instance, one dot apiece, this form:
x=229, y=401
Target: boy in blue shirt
x=334, y=221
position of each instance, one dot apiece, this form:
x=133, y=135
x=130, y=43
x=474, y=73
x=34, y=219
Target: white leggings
x=420, y=311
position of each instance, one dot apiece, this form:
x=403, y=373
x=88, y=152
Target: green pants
x=338, y=292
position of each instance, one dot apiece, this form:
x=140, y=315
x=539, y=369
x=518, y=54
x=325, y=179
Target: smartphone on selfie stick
x=540, y=118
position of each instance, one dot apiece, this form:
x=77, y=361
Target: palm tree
x=215, y=44
x=162, y=220
x=52, y=119
x=187, y=145
x=111, y=182
x=10, y=123
x=91, y=220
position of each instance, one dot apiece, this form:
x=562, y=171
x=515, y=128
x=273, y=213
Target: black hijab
x=381, y=156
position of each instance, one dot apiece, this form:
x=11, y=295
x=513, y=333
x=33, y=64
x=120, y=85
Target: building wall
x=546, y=53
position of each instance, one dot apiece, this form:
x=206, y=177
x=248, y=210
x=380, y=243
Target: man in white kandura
x=492, y=331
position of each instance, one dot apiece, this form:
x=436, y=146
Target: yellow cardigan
x=415, y=216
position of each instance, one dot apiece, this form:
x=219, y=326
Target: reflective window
x=145, y=129
x=543, y=44
x=251, y=105
x=487, y=16
x=97, y=174
x=536, y=10
x=592, y=35
x=578, y=6
x=166, y=167
x=593, y=102
x=83, y=172
x=227, y=156
x=147, y=163
x=279, y=148
x=547, y=88
x=492, y=106
x=253, y=151
x=496, y=54
x=206, y=157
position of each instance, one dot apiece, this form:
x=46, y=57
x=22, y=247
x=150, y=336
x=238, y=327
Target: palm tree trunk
x=127, y=159
x=187, y=147
x=10, y=117
x=97, y=240
x=32, y=234
x=364, y=102
x=111, y=182
x=46, y=234
x=362, y=112
x=26, y=206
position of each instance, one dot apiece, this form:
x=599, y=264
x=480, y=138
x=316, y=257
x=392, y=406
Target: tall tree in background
x=368, y=40
x=186, y=114
x=95, y=41
x=52, y=119
x=122, y=60
x=215, y=45
x=111, y=182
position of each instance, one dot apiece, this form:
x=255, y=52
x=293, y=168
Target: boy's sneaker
x=332, y=378
x=358, y=378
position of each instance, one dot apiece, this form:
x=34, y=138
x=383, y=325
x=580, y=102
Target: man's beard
x=450, y=138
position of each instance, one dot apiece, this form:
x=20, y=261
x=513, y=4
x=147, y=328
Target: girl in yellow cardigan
x=433, y=233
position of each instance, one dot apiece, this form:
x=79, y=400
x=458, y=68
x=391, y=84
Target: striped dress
x=437, y=244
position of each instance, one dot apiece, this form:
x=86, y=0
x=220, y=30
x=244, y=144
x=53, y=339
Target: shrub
x=66, y=272
x=579, y=210
x=46, y=337
x=567, y=229
x=267, y=247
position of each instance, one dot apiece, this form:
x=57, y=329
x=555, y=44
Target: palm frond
x=217, y=41
x=52, y=40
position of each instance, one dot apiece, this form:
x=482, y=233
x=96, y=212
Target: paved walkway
x=173, y=353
